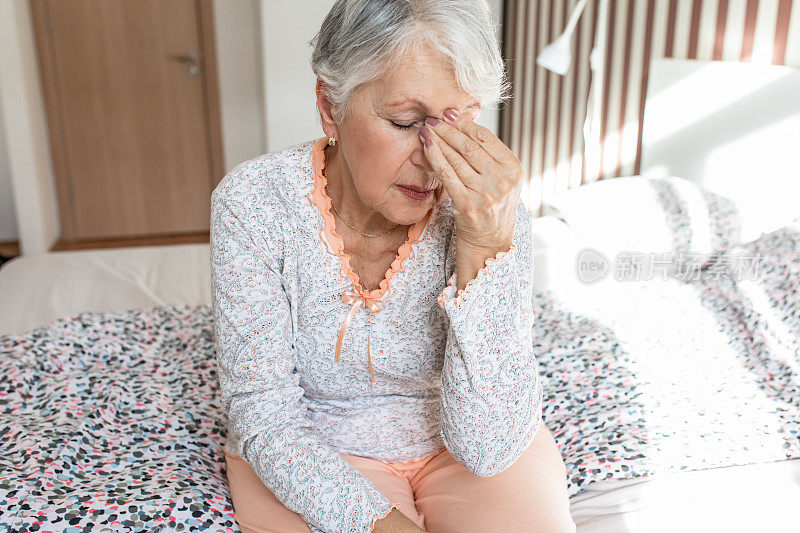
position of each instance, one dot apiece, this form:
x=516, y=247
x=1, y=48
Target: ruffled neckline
x=322, y=201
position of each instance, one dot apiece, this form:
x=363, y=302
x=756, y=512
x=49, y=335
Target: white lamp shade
x=557, y=55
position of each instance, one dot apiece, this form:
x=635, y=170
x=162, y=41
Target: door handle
x=191, y=59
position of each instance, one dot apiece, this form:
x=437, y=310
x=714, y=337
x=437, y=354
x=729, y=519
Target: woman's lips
x=415, y=192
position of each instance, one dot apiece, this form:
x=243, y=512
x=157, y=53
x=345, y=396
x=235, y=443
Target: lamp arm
x=573, y=18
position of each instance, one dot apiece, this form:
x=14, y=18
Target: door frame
x=208, y=63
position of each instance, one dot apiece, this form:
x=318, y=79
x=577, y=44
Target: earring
x=332, y=141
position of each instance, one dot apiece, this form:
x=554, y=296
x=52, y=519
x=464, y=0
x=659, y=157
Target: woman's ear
x=326, y=110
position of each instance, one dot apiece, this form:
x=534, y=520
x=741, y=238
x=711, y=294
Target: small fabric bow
x=356, y=298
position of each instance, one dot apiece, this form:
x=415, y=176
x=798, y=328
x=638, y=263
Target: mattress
x=38, y=289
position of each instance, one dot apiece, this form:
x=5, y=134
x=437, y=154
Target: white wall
x=267, y=101
x=27, y=162
x=8, y=215
x=238, y=28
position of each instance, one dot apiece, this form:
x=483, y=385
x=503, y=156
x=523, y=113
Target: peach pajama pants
x=436, y=492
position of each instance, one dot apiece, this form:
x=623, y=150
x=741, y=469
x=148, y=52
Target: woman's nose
x=420, y=158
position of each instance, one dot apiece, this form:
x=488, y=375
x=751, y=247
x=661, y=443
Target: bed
x=674, y=398
x=133, y=321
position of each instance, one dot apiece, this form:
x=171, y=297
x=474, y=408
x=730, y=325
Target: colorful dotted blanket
x=111, y=420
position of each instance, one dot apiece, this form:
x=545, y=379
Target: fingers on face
x=484, y=138
x=461, y=166
x=447, y=175
x=480, y=140
x=458, y=137
x=490, y=142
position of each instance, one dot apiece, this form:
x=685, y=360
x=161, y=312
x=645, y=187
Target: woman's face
x=379, y=139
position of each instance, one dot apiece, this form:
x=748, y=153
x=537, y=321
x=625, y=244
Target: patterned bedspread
x=112, y=419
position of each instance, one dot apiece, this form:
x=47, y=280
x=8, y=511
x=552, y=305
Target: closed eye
x=402, y=126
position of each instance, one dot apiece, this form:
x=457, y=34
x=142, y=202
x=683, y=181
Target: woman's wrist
x=470, y=259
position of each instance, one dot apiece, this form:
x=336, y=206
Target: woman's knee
x=530, y=495
x=545, y=462
x=545, y=448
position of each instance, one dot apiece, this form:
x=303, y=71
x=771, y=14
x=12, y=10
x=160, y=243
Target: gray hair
x=360, y=40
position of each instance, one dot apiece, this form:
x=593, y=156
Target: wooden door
x=131, y=97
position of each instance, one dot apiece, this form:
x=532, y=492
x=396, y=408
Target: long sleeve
x=491, y=396
x=259, y=384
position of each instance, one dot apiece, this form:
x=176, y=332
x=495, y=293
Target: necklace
x=348, y=224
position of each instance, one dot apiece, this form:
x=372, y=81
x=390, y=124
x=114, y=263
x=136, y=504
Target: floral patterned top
x=421, y=365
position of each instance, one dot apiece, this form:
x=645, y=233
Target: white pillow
x=668, y=215
x=556, y=248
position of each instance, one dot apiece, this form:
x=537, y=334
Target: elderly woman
x=400, y=233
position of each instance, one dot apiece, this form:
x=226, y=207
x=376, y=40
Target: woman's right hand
x=396, y=522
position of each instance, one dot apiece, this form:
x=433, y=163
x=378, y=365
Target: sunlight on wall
x=732, y=127
x=760, y=171
x=690, y=99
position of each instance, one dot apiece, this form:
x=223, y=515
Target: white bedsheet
x=39, y=288
x=758, y=497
